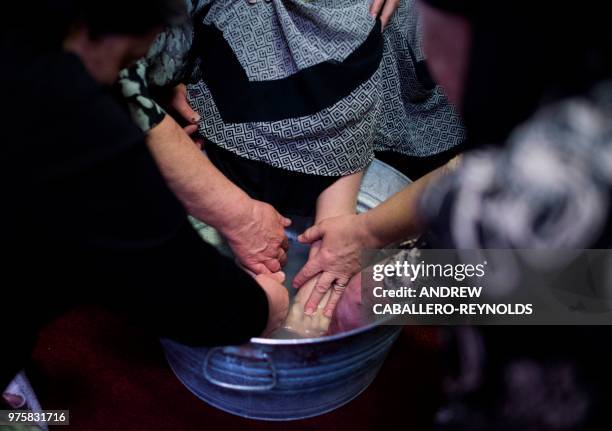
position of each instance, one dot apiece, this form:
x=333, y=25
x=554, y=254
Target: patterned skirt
x=292, y=84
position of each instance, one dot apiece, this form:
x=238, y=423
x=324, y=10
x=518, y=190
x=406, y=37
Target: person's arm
x=185, y=290
x=253, y=229
x=109, y=229
x=312, y=306
x=344, y=238
x=118, y=231
x=398, y=217
x=338, y=200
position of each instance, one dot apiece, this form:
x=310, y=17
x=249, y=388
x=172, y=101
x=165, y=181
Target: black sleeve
x=187, y=291
x=102, y=226
x=139, y=254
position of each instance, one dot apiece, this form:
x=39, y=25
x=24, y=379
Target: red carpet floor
x=111, y=376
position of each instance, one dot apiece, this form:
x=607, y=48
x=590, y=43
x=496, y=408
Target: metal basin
x=285, y=379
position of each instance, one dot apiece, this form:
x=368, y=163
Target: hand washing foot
x=300, y=325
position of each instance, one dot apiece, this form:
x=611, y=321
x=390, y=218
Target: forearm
x=340, y=198
x=398, y=217
x=253, y=229
x=193, y=178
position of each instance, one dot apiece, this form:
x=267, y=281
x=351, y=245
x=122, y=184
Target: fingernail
x=195, y=118
x=309, y=311
x=328, y=313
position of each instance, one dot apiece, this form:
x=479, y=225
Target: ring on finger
x=338, y=286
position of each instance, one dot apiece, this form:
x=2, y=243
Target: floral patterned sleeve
x=165, y=65
x=549, y=188
x=134, y=87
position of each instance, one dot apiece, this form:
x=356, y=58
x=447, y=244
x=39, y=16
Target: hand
x=278, y=299
x=350, y=312
x=178, y=102
x=258, y=238
x=337, y=258
x=388, y=8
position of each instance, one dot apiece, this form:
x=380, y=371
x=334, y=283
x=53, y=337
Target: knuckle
x=321, y=288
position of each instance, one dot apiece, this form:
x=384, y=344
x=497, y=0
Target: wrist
x=236, y=216
x=368, y=234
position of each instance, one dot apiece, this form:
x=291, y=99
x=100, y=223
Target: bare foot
x=314, y=325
